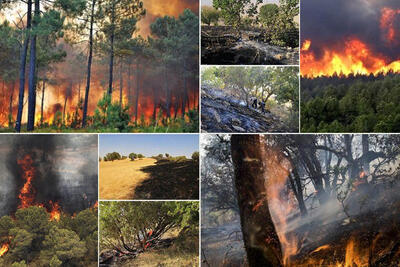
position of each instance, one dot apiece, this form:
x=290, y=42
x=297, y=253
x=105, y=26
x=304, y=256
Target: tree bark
x=10, y=113
x=89, y=65
x=110, y=81
x=365, y=149
x=167, y=94
x=185, y=94
x=32, y=72
x=259, y=234
x=137, y=92
x=42, y=104
x=120, y=85
x=22, y=68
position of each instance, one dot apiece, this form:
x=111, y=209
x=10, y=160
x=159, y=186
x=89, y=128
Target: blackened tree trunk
x=185, y=94
x=259, y=234
x=89, y=65
x=129, y=87
x=111, y=66
x=155, y=102
x=32, y=72
x=65, y=106
x=22, y=68
x=365, y=149
x=167, y=93
x=137, y=92
x=42, y=104
x=120, y=84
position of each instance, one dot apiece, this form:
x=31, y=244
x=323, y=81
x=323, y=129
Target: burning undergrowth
x=49, y=181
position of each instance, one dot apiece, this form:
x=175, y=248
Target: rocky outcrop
x=223, y=113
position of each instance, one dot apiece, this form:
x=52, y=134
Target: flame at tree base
x=4, y=249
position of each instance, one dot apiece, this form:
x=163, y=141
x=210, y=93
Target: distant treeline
x=132, y=156
x=351, y=104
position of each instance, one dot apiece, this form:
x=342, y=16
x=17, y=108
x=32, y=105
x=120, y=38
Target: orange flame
x=55, y=213
x=388, y=16
x=4, y=249
x=354, y=256
x=355, y=57
x=27, y=192
x=95, y=205
x=278, y=172
x=321, y=248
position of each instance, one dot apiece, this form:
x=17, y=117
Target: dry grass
x=165, y=258
x=118, y=179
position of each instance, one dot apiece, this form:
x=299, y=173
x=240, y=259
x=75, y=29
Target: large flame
x=27, y=192
x=55, y=211
x=281, y=207
x=4, y=249
x=352, y=55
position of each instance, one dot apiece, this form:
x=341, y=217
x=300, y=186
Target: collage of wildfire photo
x=199, y=133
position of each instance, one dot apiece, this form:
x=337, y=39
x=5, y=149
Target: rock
x=236, y=122
x=238, y=129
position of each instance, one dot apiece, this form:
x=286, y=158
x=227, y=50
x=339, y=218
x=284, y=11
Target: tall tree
x=259, y=234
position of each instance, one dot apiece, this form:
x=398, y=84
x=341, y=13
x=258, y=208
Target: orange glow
x=306, y=45
x=55, y=211
x=355, y=57
x=27, y=192
x=4, y=249
x=321, y=248
x=354, y=256
x=96, y=205
x=388, y=16
x=276, y=176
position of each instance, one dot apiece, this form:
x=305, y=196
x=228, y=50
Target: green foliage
x=196, y=156
x=19, y=264
x=279, y=23
x=140, y=156
x=353, y=104
x=112, y=156
x=132, y=156
x=233, y=10
x=209, y=15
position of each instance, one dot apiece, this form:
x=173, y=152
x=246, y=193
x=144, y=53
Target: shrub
x=195, y=156
x=132, y=156
x=112, y=156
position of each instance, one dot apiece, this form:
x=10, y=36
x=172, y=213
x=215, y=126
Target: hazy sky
x=149, y=144
x=209, y=2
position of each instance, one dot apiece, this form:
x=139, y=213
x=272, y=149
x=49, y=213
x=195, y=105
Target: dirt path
x=119, y=178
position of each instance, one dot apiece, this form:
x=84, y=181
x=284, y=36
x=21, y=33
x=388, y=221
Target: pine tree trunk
x=22, y=69
x=185, y=94
x=32, y=72
x=65, y=105
x=111, y=66
x=89, y=65
x=120, y=85
x=137, y=92
x=259, y=234
x=167, y=94
x=42, y=104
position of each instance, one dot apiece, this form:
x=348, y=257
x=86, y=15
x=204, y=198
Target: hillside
x=221, y=112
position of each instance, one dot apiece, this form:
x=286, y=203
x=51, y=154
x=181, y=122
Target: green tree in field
x=232, y=11
x=268, y=14
x=132, y=156
x=209, y=15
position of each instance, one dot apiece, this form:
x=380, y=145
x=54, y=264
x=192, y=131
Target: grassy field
x=119, y=178
x=174, y=178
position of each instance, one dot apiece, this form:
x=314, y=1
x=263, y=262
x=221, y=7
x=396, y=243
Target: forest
x=357, y=103
x=149, y=233
x=250, y=32
x=251, y=99
x=300, y=200
x=99, y=66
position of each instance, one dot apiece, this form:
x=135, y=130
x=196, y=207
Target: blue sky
x=149, y=144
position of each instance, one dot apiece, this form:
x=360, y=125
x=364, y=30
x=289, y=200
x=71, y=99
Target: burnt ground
x=222, y=45
x=170, y=179
x=223, y=113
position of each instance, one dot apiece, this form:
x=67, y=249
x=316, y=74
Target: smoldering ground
x=330, y=23
x=65, y=170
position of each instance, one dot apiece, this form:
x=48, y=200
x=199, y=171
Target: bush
x=167, y=155
x=209, y=15
x=112, y=156
x=195, y=156
x=132, y=156
x=124, y=157
x=140, y=156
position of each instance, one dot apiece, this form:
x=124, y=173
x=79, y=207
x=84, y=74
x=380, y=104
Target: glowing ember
x=4, y=249
x=27, y=192
x=55, y=211
x=96, y=205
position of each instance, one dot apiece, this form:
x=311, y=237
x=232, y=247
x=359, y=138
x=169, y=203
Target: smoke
x=64, y=167
x=158, y=8
x=330, y=23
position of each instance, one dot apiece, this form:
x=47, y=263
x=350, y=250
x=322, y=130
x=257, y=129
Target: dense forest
x=264, y=90
x=302, y=200
x=88, y=65
x=356, y=103
x=33, y=238
x=250, y=32
x=149, y=233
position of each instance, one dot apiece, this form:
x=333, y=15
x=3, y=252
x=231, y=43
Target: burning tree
x=320, y=200
x=130, y=228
